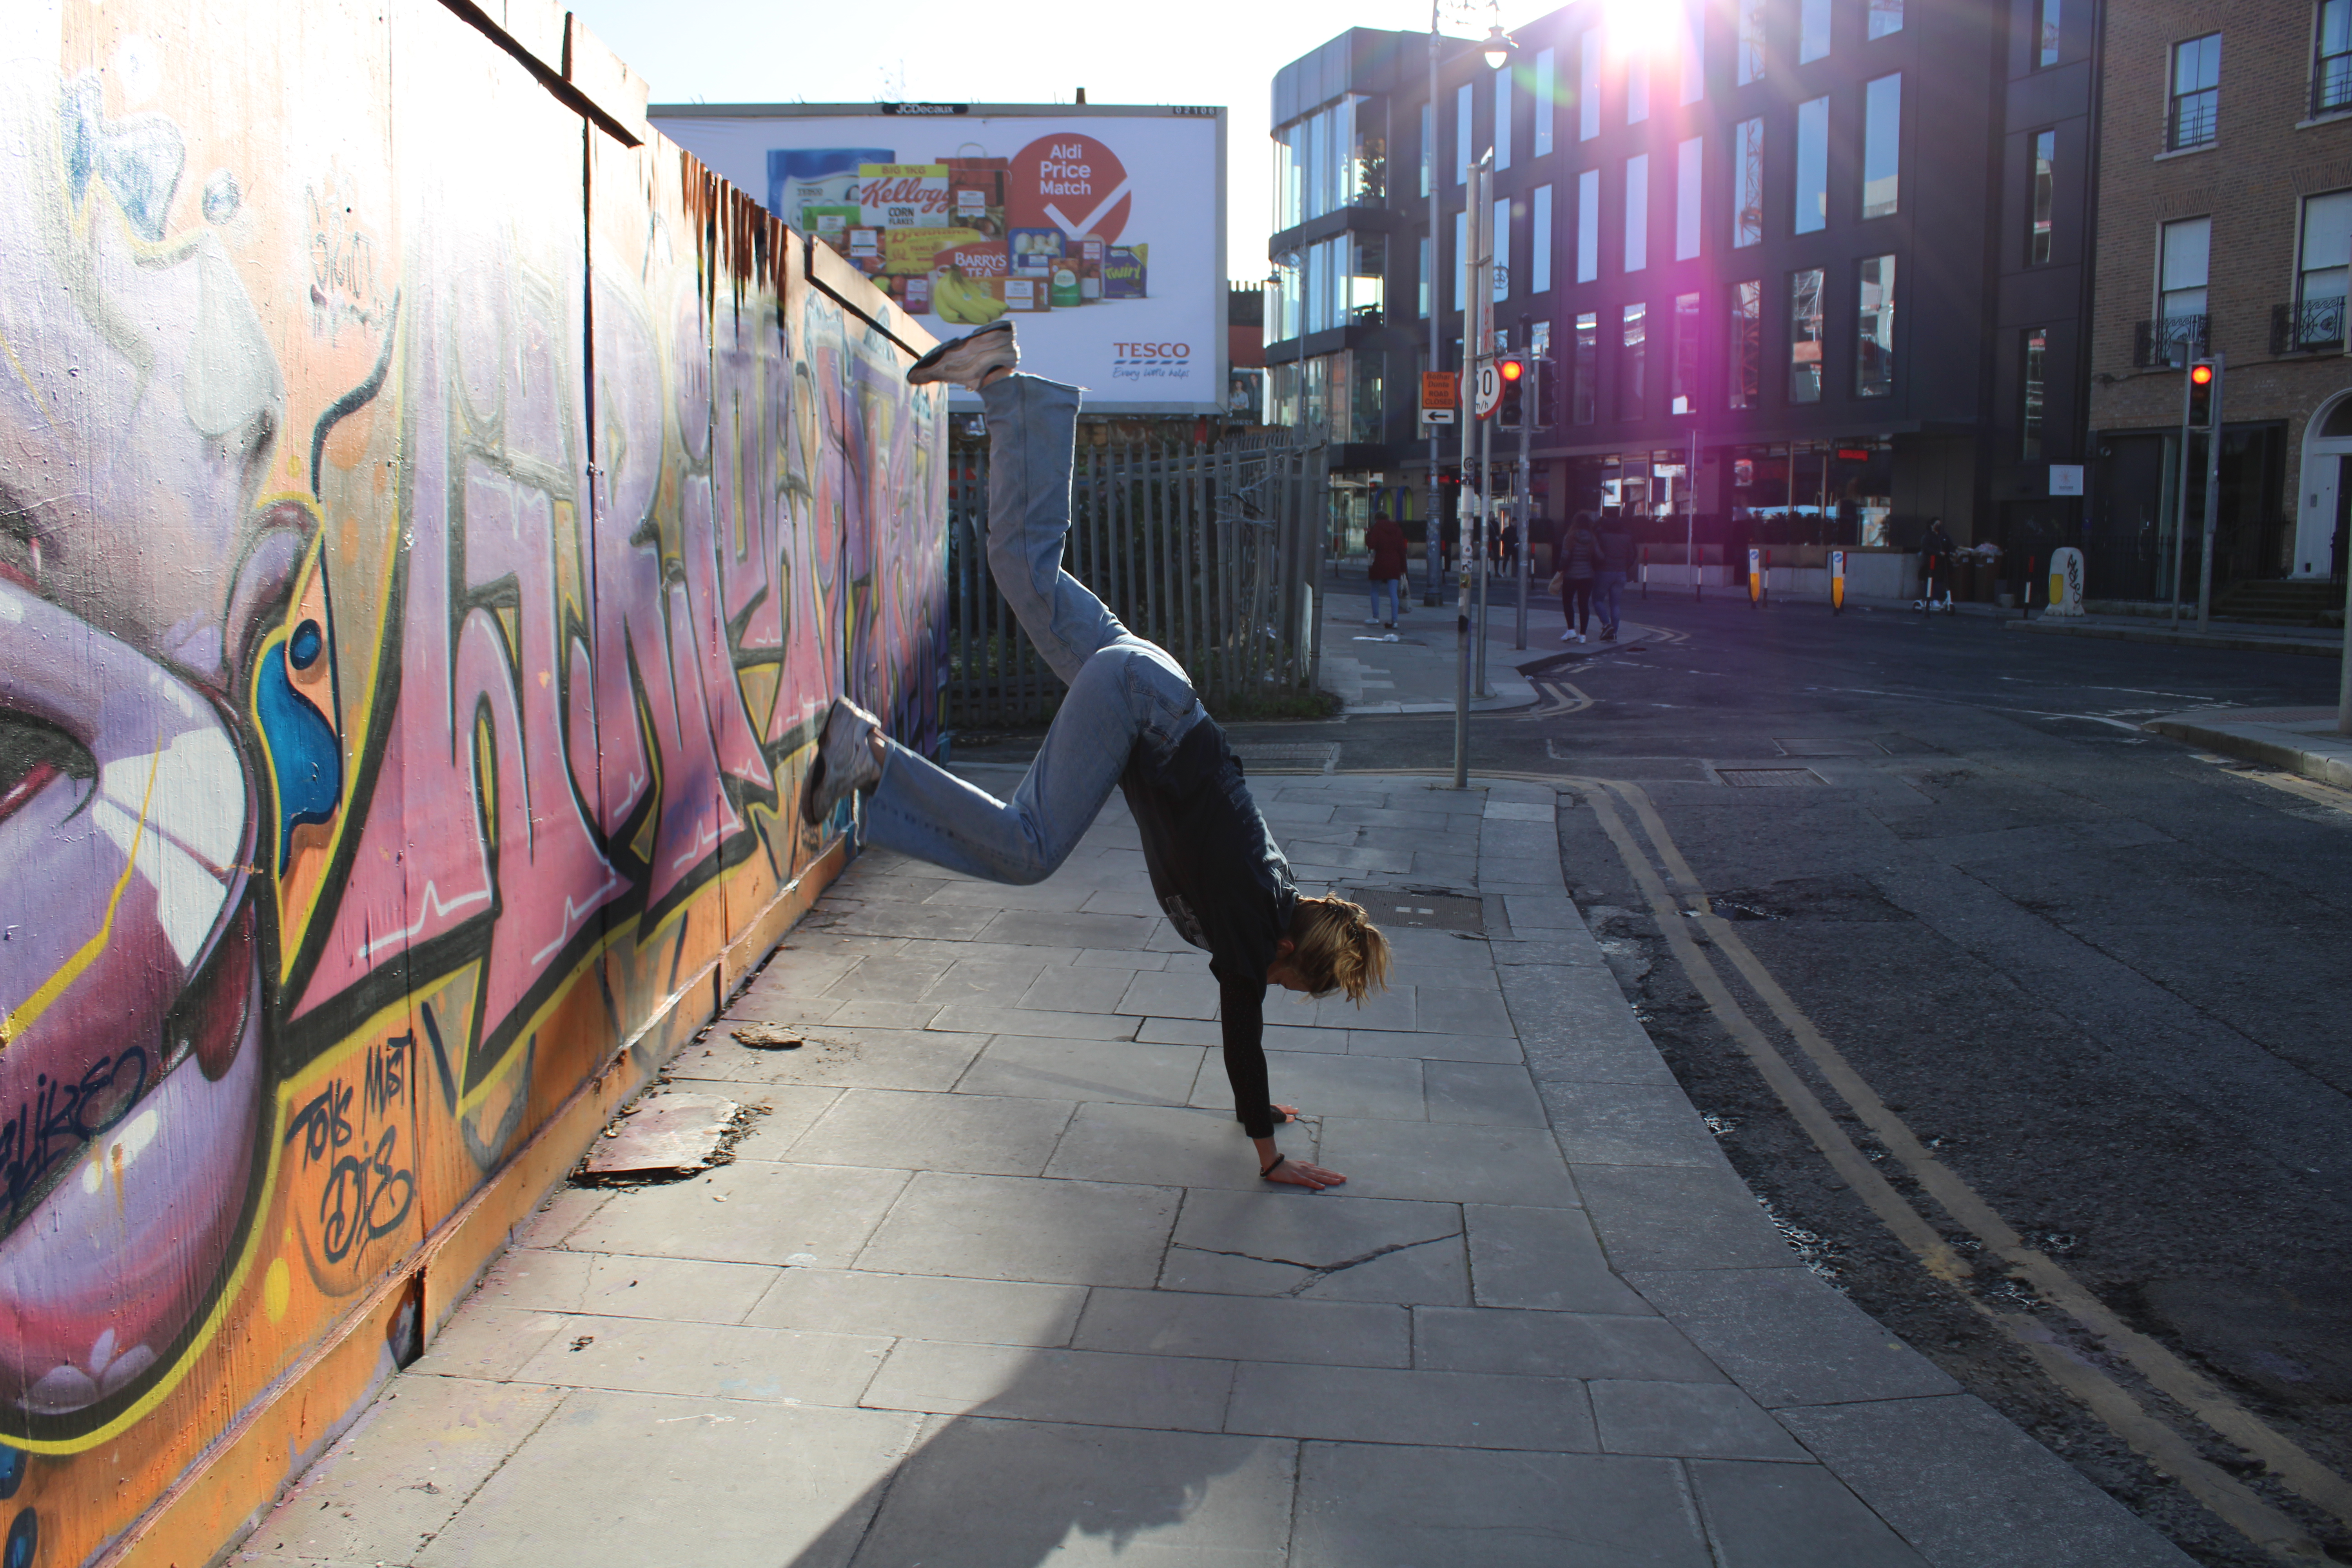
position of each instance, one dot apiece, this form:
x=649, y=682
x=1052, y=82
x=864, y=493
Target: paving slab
x=1185, y=1394
x=1447, y=1409
x=981, y=1493
x=752, y=1484
x=1057, y=1232
x=919, y=1306
x=1047, y=1067
x=1362, y=1503
x=894, y=1128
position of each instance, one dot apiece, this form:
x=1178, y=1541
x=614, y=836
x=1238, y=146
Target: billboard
x=1099, y=227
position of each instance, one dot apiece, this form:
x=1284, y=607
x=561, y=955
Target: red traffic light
x=1513, y=369
x=2202, y=375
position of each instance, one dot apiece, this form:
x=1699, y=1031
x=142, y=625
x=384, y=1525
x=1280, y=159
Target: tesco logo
x=1153, y=351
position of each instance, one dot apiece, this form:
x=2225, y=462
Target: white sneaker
x=844, y=760
x=1371, y=620
x=1568, y=636
x=967, y=361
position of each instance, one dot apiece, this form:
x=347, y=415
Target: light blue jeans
x=1387, y=591
x=1125, y=692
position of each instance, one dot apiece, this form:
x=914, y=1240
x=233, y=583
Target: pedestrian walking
x=1385, y=543
x=1510, y=558
x=1614, y=545
x=1937, y=563
x=1579, y=557
x=1130, y=720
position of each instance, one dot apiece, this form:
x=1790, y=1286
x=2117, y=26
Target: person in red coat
x=1385, y=540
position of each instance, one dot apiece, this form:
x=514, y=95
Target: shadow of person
x=982, y=1490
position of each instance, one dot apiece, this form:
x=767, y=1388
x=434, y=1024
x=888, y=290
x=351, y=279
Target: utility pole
x=2181, y=490
x=1482, y=281
x=2212, y=497
x=1434, y=547
x=1531, y=409
x=1473, y=314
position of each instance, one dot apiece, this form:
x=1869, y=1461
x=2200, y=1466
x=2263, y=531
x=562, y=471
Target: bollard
x=1837, y=581
x=1755, y=577
x=1645, y=573
x=2025, y=592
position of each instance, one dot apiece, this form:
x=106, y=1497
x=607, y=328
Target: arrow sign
x=1490, y=391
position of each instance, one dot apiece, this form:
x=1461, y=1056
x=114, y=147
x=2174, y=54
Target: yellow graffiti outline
x=17, y=365
x=45, y=996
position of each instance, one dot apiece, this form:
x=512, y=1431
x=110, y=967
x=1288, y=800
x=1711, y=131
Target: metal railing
x=2311, y=326
x=1210, y=550
x=2167, y=340
x=2331, y=87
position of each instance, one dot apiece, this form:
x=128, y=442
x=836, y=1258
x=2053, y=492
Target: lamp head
x=1498, y=48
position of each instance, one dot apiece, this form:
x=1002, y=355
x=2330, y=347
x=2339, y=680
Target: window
x=1685, y=391
x=1499, y=241
x=1637, y=88
x=1812, y=209
x=1637, y=212
x=2318, y=317
x=1588, y=88
x=1539, y=241
x=2195, y=92
x=2047, y=20
x=1368, y=285
x=1690, y=164
x=1547, y=89
x=1461, y=259
x=1428, y=149
x=1632, y=359
x=2036, y=368
x=1427, y=272
x=1882, y=144
x=2331, y=82
x=2045, y=153
x=1503, y=119
x=1588, y=225
x=1886, y=16
x=1874, y=337
x=1805, y=336
x=1813, y=29
x=1694, y=50
x=1745, y=358
x=1585, y=367
x=1461, y=135
x=2187, y=251
x=1747, y=183
x=1751, y=41
x=1289, y=175
x=1318, y=165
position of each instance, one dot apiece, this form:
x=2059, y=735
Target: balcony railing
x=2167, y=340
x=2312, y=327
x=2331, y=87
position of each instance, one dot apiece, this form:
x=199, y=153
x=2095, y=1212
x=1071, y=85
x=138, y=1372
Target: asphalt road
x=2102, y=980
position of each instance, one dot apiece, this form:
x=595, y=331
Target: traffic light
x=2201, y=394
x=1546, y=379
x=1510, y=413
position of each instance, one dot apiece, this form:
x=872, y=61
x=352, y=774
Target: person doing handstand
x=1131, y=721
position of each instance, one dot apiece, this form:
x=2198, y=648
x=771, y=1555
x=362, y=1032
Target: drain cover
x=1422, y=911
x=1766, y=778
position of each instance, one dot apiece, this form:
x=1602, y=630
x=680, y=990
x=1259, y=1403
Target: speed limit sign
x=1489, y=391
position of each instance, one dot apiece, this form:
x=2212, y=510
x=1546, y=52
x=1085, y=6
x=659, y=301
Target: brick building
x=2224, y=222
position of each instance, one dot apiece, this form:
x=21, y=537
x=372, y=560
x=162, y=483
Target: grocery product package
x=826, y=178
x=1123, y=272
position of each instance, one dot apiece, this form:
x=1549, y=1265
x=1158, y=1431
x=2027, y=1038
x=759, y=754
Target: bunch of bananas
x=958, y=298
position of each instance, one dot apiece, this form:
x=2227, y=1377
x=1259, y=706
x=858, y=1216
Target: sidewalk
x=2244, y=637
x=2298, y=740
x=993, y=1282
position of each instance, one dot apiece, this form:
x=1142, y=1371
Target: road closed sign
x=1441, y=394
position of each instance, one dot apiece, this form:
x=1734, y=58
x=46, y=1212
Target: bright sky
x=1201, y=51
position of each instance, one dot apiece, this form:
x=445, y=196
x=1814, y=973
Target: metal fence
x=1212, y=552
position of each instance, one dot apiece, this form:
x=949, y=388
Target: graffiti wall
x=430, y=531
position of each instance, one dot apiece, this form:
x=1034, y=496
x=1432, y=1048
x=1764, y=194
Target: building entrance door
x=2325, y=492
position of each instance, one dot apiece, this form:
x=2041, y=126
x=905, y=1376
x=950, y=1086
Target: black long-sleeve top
x=1224, y=885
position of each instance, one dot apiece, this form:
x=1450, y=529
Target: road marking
x=2123, y=1412
x=1559, y=696
x=2311, y=790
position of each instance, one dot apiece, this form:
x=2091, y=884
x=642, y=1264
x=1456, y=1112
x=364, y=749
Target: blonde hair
x=1336, y=947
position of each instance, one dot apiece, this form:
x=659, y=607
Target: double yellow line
x=2114, y=1402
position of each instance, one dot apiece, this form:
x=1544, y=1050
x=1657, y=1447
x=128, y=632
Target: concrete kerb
x=2318, y=645
x=1677, y=1224
x=2292, y=740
